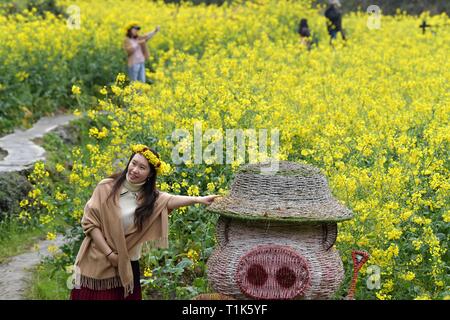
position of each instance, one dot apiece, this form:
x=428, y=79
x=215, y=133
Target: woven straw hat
x=296, y=192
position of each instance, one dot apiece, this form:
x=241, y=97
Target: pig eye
x=285, y=277
x=256, y=275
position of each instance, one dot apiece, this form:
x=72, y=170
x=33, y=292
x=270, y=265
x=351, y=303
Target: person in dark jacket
x=334, y=20
x=305, y=33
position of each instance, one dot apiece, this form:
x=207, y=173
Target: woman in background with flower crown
x=125, y=211
x=137, y=51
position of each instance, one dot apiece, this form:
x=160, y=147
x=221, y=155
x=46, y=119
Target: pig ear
x=222, y=231
x=329, y=232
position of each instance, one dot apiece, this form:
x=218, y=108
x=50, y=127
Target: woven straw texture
x=272, y=272
x=296, y=192
x=275, y=260
x=212, y=296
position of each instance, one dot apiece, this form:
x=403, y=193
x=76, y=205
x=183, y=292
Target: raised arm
x=150, y=35
x=182, y=201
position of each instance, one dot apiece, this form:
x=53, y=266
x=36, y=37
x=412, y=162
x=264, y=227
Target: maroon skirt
x=111, y=294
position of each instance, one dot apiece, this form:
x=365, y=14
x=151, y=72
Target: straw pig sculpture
x=275, y=236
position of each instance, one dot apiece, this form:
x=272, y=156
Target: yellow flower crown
x=161, y=167
x=129, y=25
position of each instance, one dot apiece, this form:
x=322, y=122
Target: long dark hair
x=303, y=23
x=129, y=35
x=149, y=192
x=303, y=28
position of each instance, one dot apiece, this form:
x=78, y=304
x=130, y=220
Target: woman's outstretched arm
x=150, y=35
x=181, y=201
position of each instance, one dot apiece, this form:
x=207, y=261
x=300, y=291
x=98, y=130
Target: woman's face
x=134, y=32
x=138, y=169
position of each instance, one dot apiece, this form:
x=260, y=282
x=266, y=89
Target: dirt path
x=21, y=151
x=15, y=274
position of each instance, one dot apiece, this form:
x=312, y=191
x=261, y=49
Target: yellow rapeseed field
x=372, y=113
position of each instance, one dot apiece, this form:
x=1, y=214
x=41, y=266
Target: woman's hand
x=180, y=201
x=207, y=200
x=113, y=258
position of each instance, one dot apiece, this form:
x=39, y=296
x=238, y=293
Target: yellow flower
x=148, y=272
x=22, y=75
x=405, y=215
x=34, y=193
x=394, y=234
x=77, y=214
x=24, y=203
x=208, y=170
x=193, y=255
x=211, y=187
x=60, y=196
x=423, y=297
x=446, y=216
x=51, y=236
x=417, y=244
x=193, y=190
x=120, y=78
x=24, y=216
x=45, y=219
x=76, y=90
x=176, y=187
x=409, y=276
x=99, y=134
x=52, y=249
x=165, y=186
x=116, y=90
x=59, y=167
x=103, y=91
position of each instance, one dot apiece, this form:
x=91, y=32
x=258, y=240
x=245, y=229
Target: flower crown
x=161, y=167
x=129, y=25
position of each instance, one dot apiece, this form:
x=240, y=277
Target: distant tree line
x=413, y=7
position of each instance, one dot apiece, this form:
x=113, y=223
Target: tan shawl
x=92, y=267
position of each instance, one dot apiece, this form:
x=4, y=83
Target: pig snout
x=272, y=272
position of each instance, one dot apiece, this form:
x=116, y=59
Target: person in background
x=137, y=51
x=305, y=33
x=334, y=20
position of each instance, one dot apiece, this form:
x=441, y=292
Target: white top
x=128, y=205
